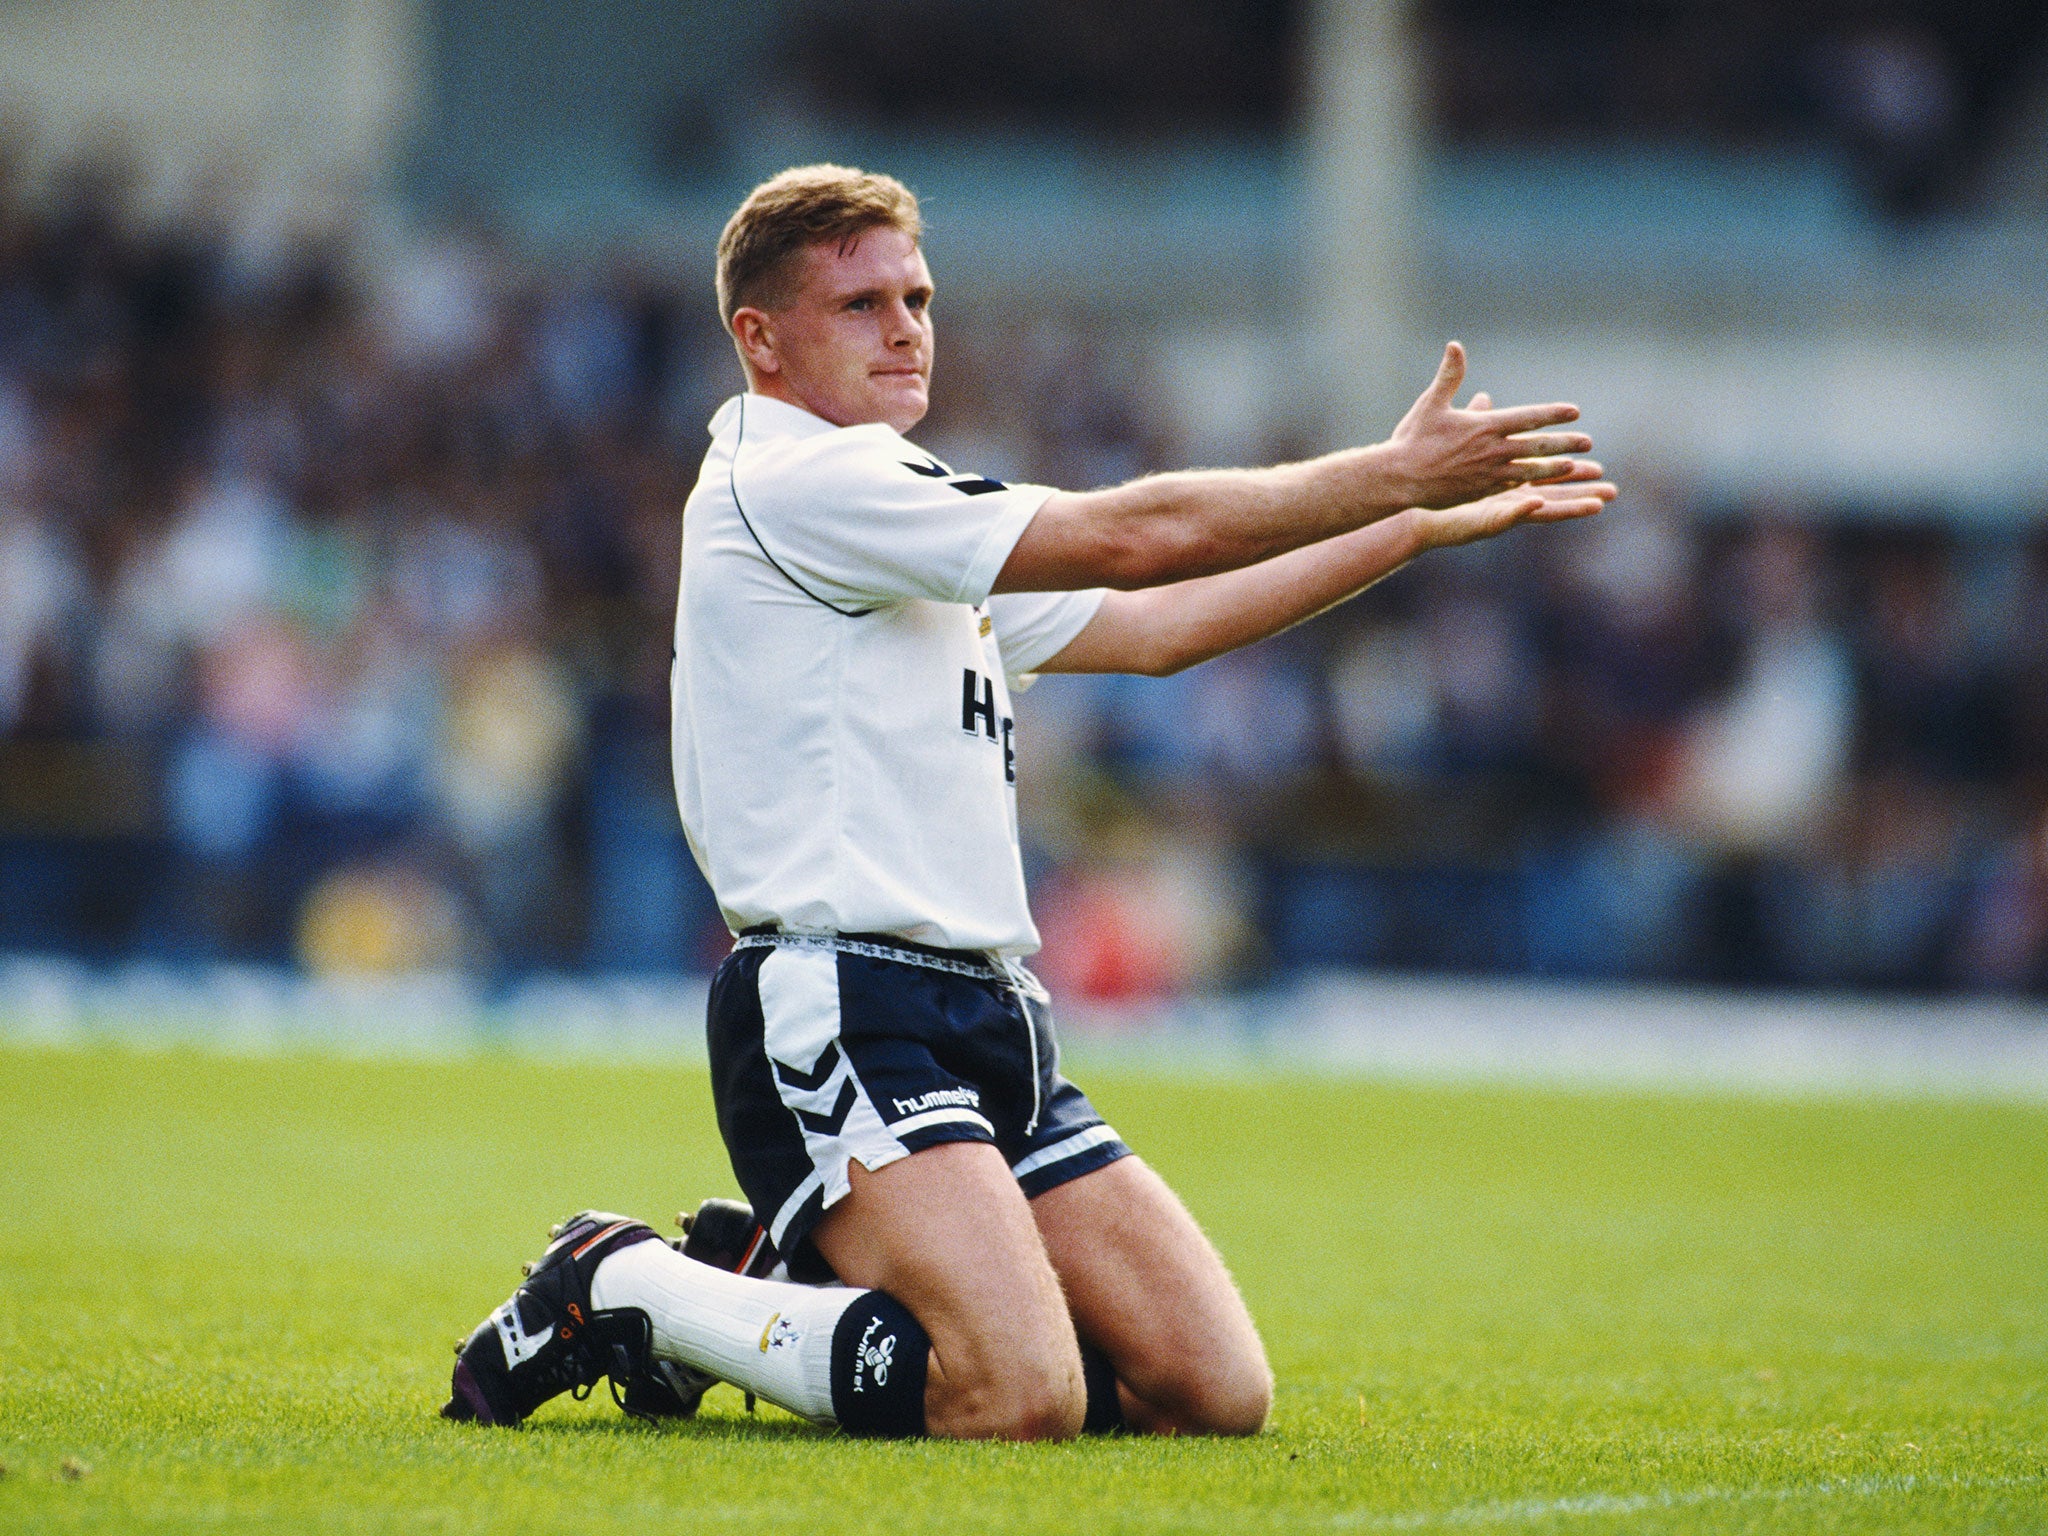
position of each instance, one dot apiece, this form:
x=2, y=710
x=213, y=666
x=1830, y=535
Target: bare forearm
x=1173, y=528
x=1171, y=627
x=1167, y=629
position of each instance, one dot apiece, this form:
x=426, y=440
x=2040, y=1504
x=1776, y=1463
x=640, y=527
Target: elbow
x=1164, y=660
x=1130, y=561
x=1166, y=648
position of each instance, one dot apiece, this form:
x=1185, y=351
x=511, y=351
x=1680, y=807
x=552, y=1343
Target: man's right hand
x=1450, y=457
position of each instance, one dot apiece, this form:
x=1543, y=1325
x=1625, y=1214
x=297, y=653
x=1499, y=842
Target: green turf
x=229, y=1286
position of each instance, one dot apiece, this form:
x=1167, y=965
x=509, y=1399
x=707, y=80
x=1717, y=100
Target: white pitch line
x=1534, y=1511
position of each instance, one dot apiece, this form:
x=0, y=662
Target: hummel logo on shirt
x=966, y=485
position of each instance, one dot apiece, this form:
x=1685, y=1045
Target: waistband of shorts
x=980, y=964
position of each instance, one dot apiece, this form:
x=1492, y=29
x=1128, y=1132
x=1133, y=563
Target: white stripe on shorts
x=799, y=992
x=1059, y=1151
x=792, y=1205
x=947, y=1115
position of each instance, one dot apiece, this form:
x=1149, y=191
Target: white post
x=1360, y=289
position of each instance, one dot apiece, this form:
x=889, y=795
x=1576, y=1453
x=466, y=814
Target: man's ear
x=754, y=331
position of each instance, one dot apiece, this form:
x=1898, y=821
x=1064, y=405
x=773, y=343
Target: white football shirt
x=844, y=749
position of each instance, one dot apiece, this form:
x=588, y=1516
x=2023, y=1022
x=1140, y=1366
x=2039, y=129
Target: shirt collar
x=771, y=416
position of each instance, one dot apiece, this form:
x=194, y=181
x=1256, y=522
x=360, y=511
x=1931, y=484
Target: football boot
x=724, y=1234
x=547, y=1339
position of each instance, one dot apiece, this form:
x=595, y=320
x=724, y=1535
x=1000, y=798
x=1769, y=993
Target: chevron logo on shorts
x=811, y=1081
x=832, y=1121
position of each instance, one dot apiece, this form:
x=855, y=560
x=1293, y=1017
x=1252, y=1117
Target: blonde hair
x=804, y=206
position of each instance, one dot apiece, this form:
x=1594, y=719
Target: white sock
x=764, y=1336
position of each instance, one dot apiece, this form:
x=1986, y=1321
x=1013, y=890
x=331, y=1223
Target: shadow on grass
x=712, y=1427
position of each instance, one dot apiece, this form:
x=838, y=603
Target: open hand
x=1454, y=457
x=1578, y=491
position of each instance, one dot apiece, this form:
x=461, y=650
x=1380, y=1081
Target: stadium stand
x=338, y=568
x=336, y=621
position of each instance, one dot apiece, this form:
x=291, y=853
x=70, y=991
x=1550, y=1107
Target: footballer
x=941, y=1235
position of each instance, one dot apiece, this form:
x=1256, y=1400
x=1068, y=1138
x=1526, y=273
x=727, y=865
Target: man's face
x=854, y=343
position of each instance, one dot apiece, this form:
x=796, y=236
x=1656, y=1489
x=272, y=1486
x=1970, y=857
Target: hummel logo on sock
x=879, y=1358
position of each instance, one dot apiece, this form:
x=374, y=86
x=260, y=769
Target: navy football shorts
x=829, y=1047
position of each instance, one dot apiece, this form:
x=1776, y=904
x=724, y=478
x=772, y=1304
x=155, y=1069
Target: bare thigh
x=1149, y=1290
x=948, y=1233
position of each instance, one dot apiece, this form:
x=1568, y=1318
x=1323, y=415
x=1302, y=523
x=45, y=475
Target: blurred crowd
x=1722, y=745
x=336, y=605
x=335, y=611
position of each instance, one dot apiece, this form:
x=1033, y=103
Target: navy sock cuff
x=1105, y=1408
x=879, y=1356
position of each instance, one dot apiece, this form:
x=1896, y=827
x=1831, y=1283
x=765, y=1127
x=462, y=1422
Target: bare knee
x=1044, y=1413
x=948, y=1234
x=1210, y=1397
x=1147, y=1288
x=1236, y=1405
x=1039, y=1402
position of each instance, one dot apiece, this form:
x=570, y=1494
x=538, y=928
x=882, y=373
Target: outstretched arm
x=1166, y=629
x=1172, y=528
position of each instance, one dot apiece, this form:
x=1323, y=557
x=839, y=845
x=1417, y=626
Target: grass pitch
x=230, y=1286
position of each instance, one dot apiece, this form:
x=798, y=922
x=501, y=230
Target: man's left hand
x=1578, y=493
